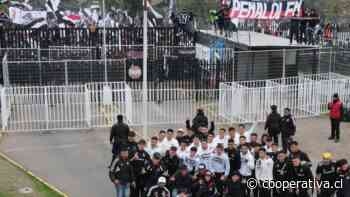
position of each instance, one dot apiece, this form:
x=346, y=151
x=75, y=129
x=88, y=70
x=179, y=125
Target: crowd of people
x=202, y=161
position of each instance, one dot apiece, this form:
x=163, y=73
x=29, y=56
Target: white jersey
x=167, y=144
x=264, y=169
x=223, y=141
x=247, y=164
x=151, y=150
x=182, y=153
x=204, y=156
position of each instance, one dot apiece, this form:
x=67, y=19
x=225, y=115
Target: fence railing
x=96, y=105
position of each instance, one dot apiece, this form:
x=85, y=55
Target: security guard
x=326, y=171
x=287, y=128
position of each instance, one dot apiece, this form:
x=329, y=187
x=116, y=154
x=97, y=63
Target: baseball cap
x=162, y=180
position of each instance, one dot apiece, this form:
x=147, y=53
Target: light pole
x=144, y=72
x=104, y=40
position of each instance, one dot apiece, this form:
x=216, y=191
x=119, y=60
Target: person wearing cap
x=171, y=161
x=154, y=170
x=234, y=156
x=247, y=167
x=118, y=136
x=344, y=178
x=180, y=136
x=181, y=180
x=264, y=172
x=159, y=190
x=234, y=186
x=302, y=173
x=121, y=173
x=139, y=162
x=200, y=172
x=326, y=171
x=336, y=114
x=272, y=124
x=219, y=165
x=288, y=128
x=191, y=160
x=281, y=167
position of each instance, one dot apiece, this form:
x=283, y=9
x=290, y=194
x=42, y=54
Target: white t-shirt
x=212, y=145
x=264, y=169
x=153, y=150
x=218, y=140
x=167, y=144
x=182, y=153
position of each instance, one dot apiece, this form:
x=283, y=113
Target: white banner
x=21, y=17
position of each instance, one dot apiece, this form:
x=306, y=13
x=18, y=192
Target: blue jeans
x=123, y=190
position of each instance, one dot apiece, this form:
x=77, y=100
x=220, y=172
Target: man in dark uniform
x=326, y=171
x=122, y=174
x=139, y=162
x=132, y=144
x=287, y=129
x=336, y=114
x=171, y=161
x=280, y=173
x=272, y=124
x=301, y=173
x=343, y=178
x=118, y=136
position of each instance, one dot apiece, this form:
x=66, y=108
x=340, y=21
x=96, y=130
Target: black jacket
x=171, y=164
x=235, y=159
x=300, y=173
x=234, y=189
x=327, y=172
x=152, y=174
x=344, y=178
x=122, y=171
x=183, y=182
x=141, y=163
x=287, y=126
x=272, y=123
x=280, y=170
x=119, y=133
x=158, y=191
x=302, y=156
x=199, y=121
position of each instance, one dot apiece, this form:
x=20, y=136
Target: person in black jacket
x=288, y=129
x=171, y=161
x=280, y=173
x=234, y=157
x=301, y=173
x=122, y=174
x=326, y=171
x=154, y=170
x=295, y=152
x=139, y=162
x=294, y=27
x=272, y=124
x=182, y=181
x=159, y=190
x=200, y=120
x=344, y=178
x=118, y=136
x=234, y=186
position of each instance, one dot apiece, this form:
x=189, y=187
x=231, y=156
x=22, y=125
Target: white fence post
x=46, y=105
x=87, y=106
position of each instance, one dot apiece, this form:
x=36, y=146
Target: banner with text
x=263, y=9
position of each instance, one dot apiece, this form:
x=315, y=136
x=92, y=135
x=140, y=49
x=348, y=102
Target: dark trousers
x=139, y=190
x=264, y=192
x=293, y=33
x=286, y=139
x=246, y=191
x=335, y=127
x=274, y=136
x=326, y=193
x=219, y=183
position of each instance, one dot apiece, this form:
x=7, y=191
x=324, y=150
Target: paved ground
x=76, y=162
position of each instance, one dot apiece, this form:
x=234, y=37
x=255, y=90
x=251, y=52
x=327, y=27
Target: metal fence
x=169, y=67
x=95, y=105
x=305, y=95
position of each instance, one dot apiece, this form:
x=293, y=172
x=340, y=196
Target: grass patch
x=12, y=179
